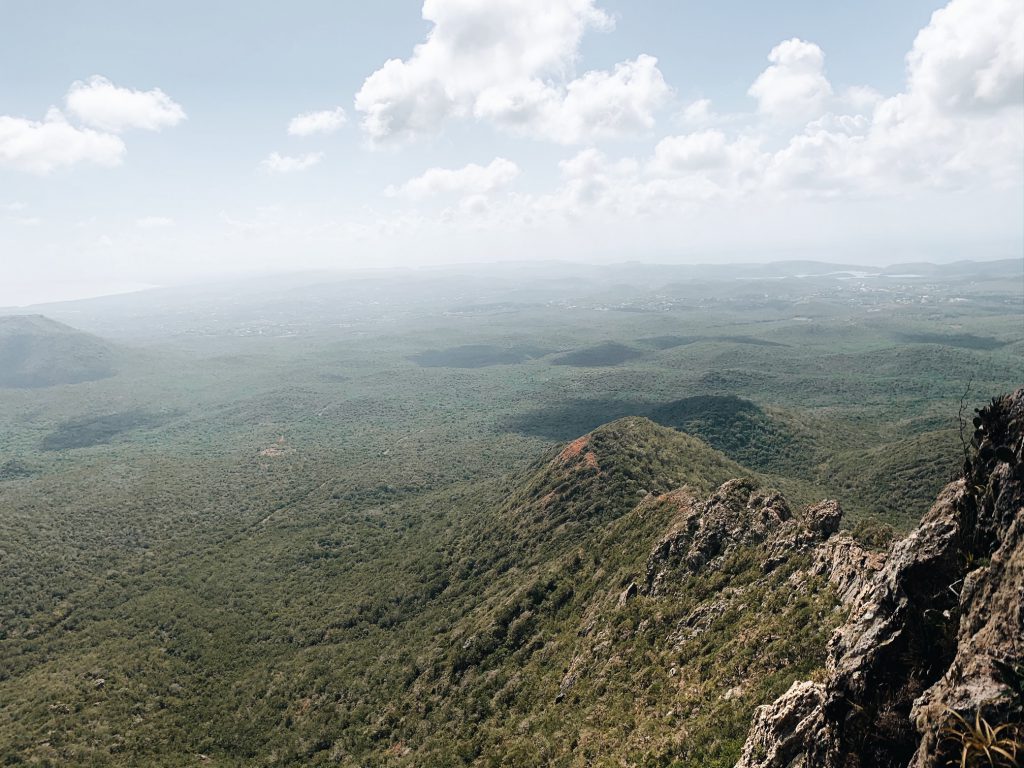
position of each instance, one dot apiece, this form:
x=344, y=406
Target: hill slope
x=38, y=352
x=632, y=598
x=498, y=633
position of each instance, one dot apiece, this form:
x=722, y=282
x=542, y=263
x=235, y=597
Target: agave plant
x=980, y=743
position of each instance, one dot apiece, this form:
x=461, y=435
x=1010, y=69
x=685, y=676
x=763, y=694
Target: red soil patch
x=573, y=449
x=590, y=459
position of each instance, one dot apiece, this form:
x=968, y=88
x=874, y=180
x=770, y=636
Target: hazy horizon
x=58, y=294
x=462, y=132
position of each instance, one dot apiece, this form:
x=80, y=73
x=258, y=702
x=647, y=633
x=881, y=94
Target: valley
x=409, y=518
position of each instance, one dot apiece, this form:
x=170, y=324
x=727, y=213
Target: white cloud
x=42, y=147
x=591, y=180
x=104, y=109
x=694, y=151
x=949, y=131
x=860, y=98
x=154, y=222
x=596, y=105
x=510, y=63
x=794, y=86
x=809, y=142
x=472, y=179
x=278, y=163
x=958, y=123
x=309, y=123
x=698, y=112
x=100, y=104
x=970, y=56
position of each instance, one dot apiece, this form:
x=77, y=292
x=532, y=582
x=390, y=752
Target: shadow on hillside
x=739, y=428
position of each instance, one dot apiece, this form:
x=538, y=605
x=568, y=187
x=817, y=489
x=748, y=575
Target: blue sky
x=530, y=129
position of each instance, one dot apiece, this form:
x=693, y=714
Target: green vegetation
x=96, y=430
x=475, y=356
x=609, y=353
x=975, y=742
x=38, y=352
x=351, y=523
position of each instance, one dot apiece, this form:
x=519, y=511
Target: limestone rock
x=938, y=627
x=780, y=731
x=737, y=514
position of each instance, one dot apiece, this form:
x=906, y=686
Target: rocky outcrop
x=986, y=674
x=741, y=514
x=781, y=732
x=847, y=565
x=935, y=635
x=737, y=514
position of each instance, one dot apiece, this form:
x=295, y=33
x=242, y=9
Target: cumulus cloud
x=794, y=86
x=689, y=152
x=278, y=163
x=960, y=120
x=961, y=129
x=324, y=121
x=597, y=105
x=510, y=63
x=698, y=112
x=970, y=56
x=958, y=123
x=103, y=109
x=472, y=179
x=99, y=103
x=42, y=147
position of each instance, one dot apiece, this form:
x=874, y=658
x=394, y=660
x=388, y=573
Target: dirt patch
x=280, y=448
x=573, y=449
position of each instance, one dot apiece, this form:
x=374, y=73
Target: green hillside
x=447, y=641
x=368, y=523
x=38, y=352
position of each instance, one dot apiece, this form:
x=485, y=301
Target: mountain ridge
x=632, y=597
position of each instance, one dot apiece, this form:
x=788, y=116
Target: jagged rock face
x=938, y=628
x=780, y=732
x=847, y=565
x=986, y=673
x=735, y=515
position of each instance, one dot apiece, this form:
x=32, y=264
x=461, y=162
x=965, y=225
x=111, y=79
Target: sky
x=165, y=142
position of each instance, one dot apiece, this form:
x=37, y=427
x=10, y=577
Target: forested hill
x=38, y=352
x=632, y=598
x=519, y=522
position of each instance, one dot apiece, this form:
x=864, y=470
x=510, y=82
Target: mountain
x=38, y=352
x=633, y=597
x=637, y=607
